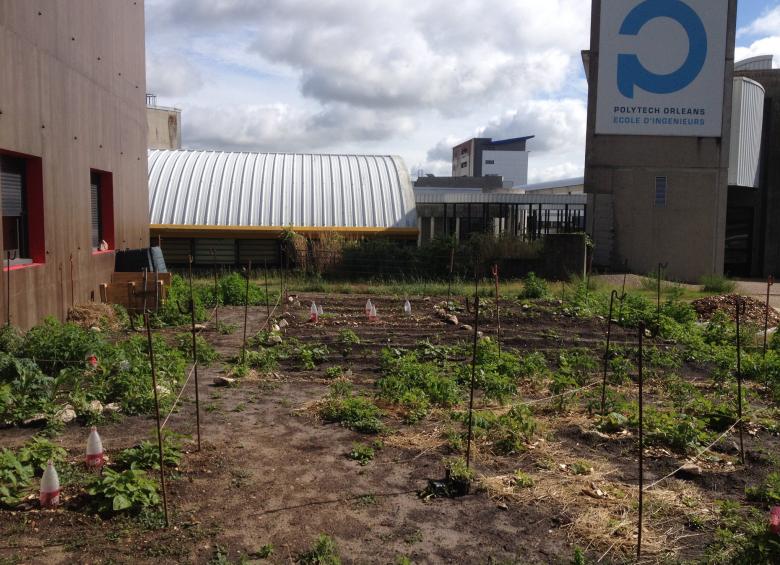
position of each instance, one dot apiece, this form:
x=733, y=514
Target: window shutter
x=12, y=181
x=95, y=193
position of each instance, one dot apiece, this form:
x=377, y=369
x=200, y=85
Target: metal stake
x=246, y=313
x=741, y=306
x=216, y=289
x=641, y=441
x=769, y=284
x=473, y=379
x=157, y=413
x=606, y=351
x=267, y=298
x=449, y=284
x=498, y=311
x=661, y=266
x=195, y=356
x=72, y=285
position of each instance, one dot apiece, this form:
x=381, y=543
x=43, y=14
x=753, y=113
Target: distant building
x=562, y=186
x=164, y=125
x=483, y=157
x=229, y=208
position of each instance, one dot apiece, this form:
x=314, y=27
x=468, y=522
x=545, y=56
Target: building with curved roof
x=231, y=207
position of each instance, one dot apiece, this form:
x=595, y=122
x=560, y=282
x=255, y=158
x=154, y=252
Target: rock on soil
x=755, y=310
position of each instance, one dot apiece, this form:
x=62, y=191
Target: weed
x=522, y=480
x=533, y=367
x=206, y=353
x=225, y=328
x=264, y=360
x=307, y=356
x=534, y=287
x=403, y=372
x=347, y=340
x=581, y=468
x=362, y=453
x=717, y=284
x=354, y=412
x=768, y=492
x=324, y=552
x=416, y=405
x=128, y=491
x=508, y=433
x=457, y=470
x=334, y=372
x=265, y=552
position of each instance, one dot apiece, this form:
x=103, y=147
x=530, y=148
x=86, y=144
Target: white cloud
x=171, y=75
x=767, y=24
x=765, y=46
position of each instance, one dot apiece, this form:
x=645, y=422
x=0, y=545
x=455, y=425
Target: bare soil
x=270, y=472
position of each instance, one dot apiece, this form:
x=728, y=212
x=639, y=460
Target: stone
x=200, y=327
x=66, y=415
x=466, y=327
x=224, y=381
x=112, y=408
x=451, y=319
x=275, y=340
x=96, y=407
x=35, y=421
x=283, y=324
x=95, y=329
x=688, y=471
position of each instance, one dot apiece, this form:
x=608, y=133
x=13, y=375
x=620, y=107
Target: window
x=464, y=151
x=661, y=185
x=490, y=162
x=464, y=165
x=21, y=198
x=101, y=210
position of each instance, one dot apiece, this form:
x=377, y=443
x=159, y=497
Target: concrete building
x=72, y=149
x=229, y=208
x=561, y=186
x=657, y=158
x=482, y=157
x=164, y=125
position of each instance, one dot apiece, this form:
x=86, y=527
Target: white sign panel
x=661, y=67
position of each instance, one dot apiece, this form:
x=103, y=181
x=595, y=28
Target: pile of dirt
x=102, y=316
x=755, y=310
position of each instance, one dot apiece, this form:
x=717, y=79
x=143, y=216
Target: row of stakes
x=371, y=313
x=50, y=482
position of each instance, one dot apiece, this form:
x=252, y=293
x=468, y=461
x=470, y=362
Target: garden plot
x=338, y=430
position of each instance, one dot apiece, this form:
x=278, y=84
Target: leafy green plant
x=324, y=552
x=457, y=470
x=226, y=329
x=354, y=412
x=179, y=295
x=534, y=287
x=15, y=479
x=146, y=455
x=25, y=391
x=263, y=360
x=768, y=492
x=533, y=367
x=581, y=468
x=334, y=372
x=307, y=356
x=416, y=405
x=347, y=341
x=11, y=340
x=505, y=434
x=403, y=372
x=206, y=353
x=39, y=451
x=362, y=453
x=522, y=480
x=129, y=491
x=54, y=345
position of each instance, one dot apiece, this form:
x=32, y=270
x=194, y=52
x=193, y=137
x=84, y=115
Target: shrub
x=416, y=405
x=15, y=479
x=354, y=412
x=324, y=552
x=11, y=340
x=533, y=367
x=534, y=287
x=232, y=291
x=129, y=491
x=179, y=295
x=334, y=372
x=54, y=345
x=718, y=284
x=24, y=390
x=206, y=353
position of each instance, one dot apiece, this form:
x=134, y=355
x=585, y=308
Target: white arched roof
x=278, y=190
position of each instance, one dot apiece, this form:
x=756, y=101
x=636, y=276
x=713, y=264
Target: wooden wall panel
x=72, y=91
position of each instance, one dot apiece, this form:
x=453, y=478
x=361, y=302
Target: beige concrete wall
x=689, y=233
x=164, y=128
x=73, y=94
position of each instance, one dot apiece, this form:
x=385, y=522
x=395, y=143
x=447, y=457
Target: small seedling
x=362, y=453
x=522, y=480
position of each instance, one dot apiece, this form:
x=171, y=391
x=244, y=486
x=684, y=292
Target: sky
x=390, y=77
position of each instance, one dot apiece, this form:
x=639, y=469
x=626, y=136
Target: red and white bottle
x=373, y=316
x=369, y=308
x=315, y=313
x=50, y=487
x=95, y=457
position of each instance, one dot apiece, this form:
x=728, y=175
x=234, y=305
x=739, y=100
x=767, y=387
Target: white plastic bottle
x=315, y=313
x=373, y=315
x=408, y=308
x=95, y=456
x=50, y=487
x=320, y=311
x=369, y=308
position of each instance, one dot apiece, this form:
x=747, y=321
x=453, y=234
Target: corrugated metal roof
x=760, y=63
x=747, y=122
x=441, y=197
x=209, y=188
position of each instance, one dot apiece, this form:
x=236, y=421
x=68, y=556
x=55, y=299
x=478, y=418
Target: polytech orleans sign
x=661, y=67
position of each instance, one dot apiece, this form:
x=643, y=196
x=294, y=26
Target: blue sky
x=403, y=77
